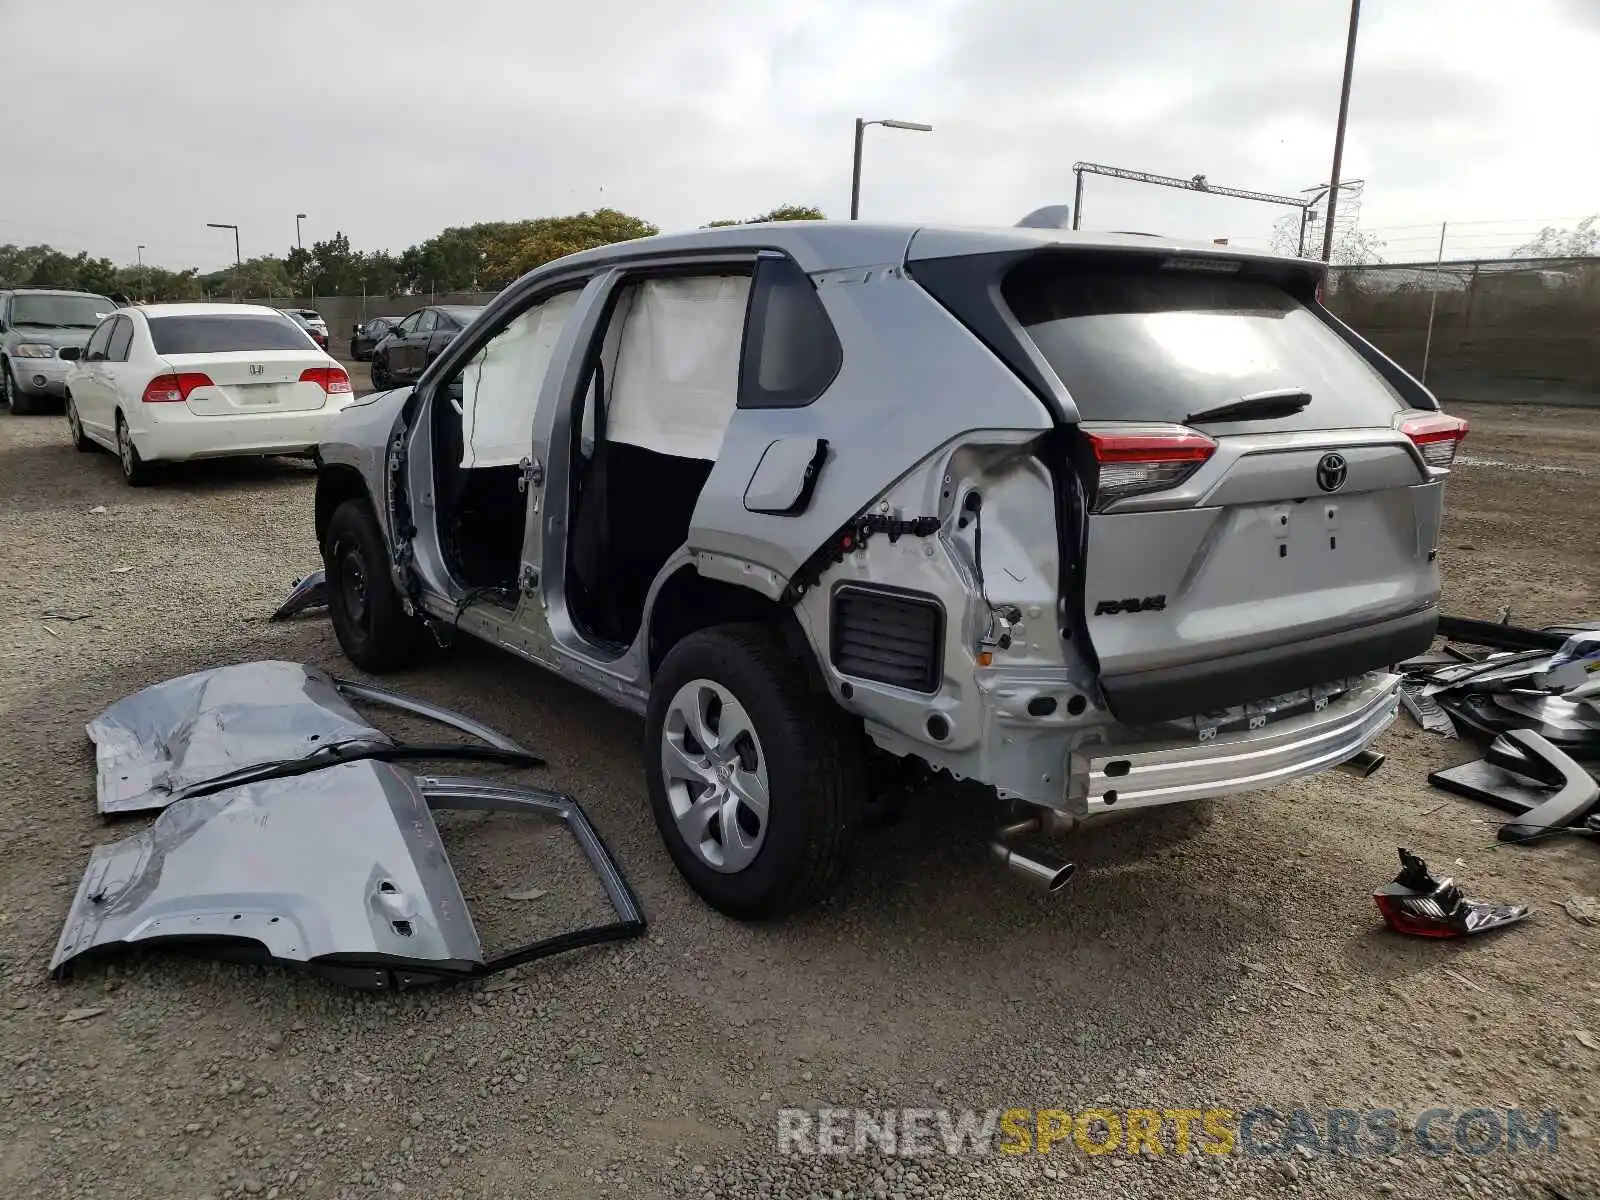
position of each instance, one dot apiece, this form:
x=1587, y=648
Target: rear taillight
x=1146, y=459
x=1436, y=435
x=332, y=380
x=174, y=389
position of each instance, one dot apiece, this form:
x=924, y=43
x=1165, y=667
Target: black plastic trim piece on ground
x=1498, y=636
x=1167, y=693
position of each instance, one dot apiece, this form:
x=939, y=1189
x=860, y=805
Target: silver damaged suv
x=1099, y=522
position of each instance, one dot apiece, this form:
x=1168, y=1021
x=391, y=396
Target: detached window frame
x=784, y=305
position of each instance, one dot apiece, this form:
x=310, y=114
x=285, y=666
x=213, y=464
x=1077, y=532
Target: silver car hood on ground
x=152, y=745
x=341, y=869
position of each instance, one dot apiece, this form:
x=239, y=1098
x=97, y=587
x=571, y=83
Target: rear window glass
x=1150, y=344
x=218, y=334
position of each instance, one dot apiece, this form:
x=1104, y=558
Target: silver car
x=1098, y=522
x=42, y=331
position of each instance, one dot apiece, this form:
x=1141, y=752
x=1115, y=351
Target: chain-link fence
x=1508, y=330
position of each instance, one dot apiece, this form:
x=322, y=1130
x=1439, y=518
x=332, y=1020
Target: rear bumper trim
x=1102, y=780
x=1168, y=693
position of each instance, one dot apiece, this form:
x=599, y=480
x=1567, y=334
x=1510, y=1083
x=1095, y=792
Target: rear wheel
x=757, y=781
x=369, y=618
x=75, y=427
x=135, y=470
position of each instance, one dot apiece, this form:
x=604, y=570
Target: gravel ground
x=1223, y=956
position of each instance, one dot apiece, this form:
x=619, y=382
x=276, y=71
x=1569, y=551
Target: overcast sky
x=139, y=122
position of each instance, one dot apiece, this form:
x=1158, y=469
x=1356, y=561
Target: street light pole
x=238, y=262
x=298, y=217
x=1338, y=136
x=855, y=174
x=140, y=253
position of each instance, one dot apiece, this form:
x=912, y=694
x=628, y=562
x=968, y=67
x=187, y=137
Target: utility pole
x=1338, y=135
x=1433, y=302
x=142, y=288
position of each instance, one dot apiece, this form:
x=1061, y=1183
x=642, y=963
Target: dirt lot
x=1225, y=957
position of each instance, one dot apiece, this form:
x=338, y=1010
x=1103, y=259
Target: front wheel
x=80, y=441
x=757, y=781
x=369, y=619
x=17, y=401
x=380, y=376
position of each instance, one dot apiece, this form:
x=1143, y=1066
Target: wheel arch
x=687, y=602
x=336, y=484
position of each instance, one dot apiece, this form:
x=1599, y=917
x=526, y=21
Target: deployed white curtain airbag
x=677, y=372
x=500, y=386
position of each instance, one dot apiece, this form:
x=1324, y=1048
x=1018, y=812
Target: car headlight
x=34, y=350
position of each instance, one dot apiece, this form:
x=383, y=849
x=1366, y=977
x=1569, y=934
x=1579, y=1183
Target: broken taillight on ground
x=1437, y=435
x=1418, y=904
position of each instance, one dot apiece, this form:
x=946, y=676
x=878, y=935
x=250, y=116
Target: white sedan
x=170, y=382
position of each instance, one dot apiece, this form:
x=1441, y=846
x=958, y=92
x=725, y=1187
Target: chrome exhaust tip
x=1364, y=764
x=1046, y=872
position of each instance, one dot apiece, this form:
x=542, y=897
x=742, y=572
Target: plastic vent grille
x=888, y=638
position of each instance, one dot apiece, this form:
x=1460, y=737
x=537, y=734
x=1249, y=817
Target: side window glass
x=791, y=352
x=95, y=351
x=427, y=321
x=121, y=338
x=500, y=384
x=409, y=325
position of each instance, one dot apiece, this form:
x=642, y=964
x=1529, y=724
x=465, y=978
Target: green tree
x=784, y=212
x=1581, y=241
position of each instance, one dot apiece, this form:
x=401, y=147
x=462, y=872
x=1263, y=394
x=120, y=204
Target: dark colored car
x=411, y=345
x=311, y=322
x=364, y=338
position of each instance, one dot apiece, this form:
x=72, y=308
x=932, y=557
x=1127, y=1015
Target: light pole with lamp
x=855, y=176
x=300, y=246
x=238, y=262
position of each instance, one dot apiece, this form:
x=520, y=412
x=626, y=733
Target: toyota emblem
x=1332, y=471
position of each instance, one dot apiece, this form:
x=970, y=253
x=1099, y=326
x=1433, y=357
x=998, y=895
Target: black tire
x=80, y=441
x=135, y=470
x=368, y=617
x=812, y=756
x=17, y=401
x=380, y=376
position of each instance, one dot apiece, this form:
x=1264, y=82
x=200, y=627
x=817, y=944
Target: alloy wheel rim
x=715, y=772
x=72, y=421
x=125, y=449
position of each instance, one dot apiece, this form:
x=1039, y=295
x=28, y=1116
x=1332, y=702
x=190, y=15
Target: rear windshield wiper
x=1262, y=406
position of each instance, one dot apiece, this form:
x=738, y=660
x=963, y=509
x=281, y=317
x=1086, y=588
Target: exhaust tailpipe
x=1044, y=871
x=1364, y=764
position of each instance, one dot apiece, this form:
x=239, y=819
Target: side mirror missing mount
x=70, y=353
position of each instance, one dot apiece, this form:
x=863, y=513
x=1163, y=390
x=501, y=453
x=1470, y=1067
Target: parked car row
x=169, y=382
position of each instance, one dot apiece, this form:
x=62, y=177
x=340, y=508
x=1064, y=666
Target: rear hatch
x=233, y=365
x=1254, y=513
